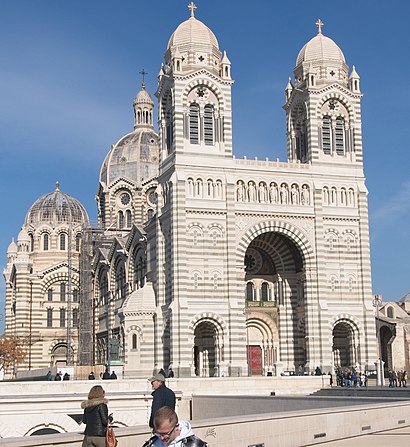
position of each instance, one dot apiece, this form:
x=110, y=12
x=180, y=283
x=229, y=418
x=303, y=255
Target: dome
x=320, y=48
x=23, y=236
x=12, y=248
x=405, y=298
x=56, y=207
x=192, y=31
x=134, y=157
x=143, y=97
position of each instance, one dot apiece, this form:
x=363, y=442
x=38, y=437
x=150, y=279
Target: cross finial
x=143, y=73
x=57, y=186
x=192, y=8
x=319, y=25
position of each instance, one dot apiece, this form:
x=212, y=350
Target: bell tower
x=194, y=95
x=322, y=107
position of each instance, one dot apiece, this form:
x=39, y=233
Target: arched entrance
x=274, y=292
x=59, y=355
x=206, y=349
x=344, y=351
x=386, y=339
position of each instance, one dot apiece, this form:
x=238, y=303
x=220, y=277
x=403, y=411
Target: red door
x=255, y=360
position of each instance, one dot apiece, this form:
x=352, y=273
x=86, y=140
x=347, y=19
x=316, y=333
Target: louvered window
x=326, y=135
x=340, y=136
x=209, y=125
x=194, y=124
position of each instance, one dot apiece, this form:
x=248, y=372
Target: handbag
x=110, y=438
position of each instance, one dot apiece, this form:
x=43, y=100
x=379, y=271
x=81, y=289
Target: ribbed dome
x=405, y=298
x=23, y=236
x=320, y=48
x=192, y=31
x=56, y=207
x=143, y=97
x=134, y=157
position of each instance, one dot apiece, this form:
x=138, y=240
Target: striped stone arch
x=339, y=97
x=345, y=318
x=211, y=317
x=281, y=227
x=55, y=277
x=55, y=343
x=207, y=83
x=265, y=325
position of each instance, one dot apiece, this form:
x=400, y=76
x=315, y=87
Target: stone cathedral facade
x=216, y=265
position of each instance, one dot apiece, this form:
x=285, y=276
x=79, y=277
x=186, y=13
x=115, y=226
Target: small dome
x=143, y=97
x=12, y=248
x=192, y=31
x=405, y=298
x=23, y=236
x=56, y=207
x=320, y=48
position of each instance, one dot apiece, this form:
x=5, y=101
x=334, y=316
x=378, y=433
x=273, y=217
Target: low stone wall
x=293, y=429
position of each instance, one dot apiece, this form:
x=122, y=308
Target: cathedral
x=215, y=265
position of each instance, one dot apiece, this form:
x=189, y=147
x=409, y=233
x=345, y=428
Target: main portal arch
x=275, y=261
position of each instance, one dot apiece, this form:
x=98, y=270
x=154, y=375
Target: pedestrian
x=170, y=372
x=91, y=376
x=170, y=431
x=49, y=376
x=95, y=417
x=161, y=396
x=113, y=376
x=66, y=376
x=58, y=376
x=330, y=378
x=106, y=374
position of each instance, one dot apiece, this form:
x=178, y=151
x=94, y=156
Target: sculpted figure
x=251, y=192
x=240, y=192
x=283, y=194
x=273, y=193
x=294, y=193
x=304, y=197
x=262, y=193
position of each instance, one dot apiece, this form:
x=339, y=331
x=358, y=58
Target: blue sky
x=69, y=71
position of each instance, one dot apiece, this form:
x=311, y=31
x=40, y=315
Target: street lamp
x=377, y=302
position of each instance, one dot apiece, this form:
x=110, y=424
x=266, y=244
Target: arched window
x=62, y=241
x=103, y=288
x=265, y=291
x=62, y=291
x=49, y=317
x=390, y=312
x=75, y=296
x=120, y=280
x=77, y=242
x=75, y=317
x=326, y=135
x=45, y=241
x=62, y=317
x=340, y=135
x=128, y=218
x=249, y=291
x=194, y=124
x=50, y=294
x=31, y=242
x=120, y=220
x=134, y=341
x=209, y=125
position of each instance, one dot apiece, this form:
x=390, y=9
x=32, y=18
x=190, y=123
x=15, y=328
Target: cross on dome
x=143, y=73
x=192, y=8
x=57, y=186
x=319, y=25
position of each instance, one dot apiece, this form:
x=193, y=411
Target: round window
x=125, y=198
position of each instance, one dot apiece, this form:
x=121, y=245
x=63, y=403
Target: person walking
x=95, y=417
x=170, y=431
x=161, y=396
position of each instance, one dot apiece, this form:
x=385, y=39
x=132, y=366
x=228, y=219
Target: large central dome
x=55, y=208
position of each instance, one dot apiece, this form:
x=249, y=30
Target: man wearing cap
x=161, y=396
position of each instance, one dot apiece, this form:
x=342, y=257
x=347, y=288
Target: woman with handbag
x=96, y=418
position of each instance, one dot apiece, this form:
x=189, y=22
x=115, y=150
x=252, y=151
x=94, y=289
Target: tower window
x=62, y=291
x=340, y=135
x=50, y=294
x=265, y=291
x=45, y=241
x=134, y=341
x=194, y=124
x=128, y=218
x=75, y=296
x=75, y=317
x=77, y=242
x=209, y=125
x=249, y=292
x=326, y=135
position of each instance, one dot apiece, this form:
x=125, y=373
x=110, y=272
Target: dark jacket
x=161, y=397
x=95, y=416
